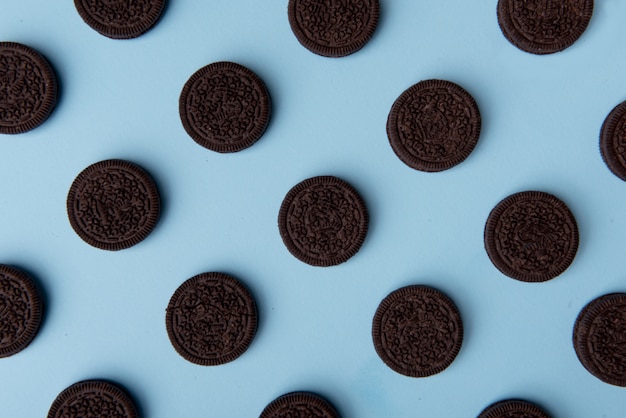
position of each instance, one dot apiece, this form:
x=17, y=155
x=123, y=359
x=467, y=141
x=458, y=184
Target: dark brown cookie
x=600, y=338
x=225, y=107
x=299, y=405
x=513, y=408
x=28, y=88
x=417, y=331
x=613, y=141
x=93, y=399
x=211, y=319
x=323, y=221
x=543, y=26
x=333, y=28
x=433, y=125
x=20, y=310
x=120, y=19
x=531, y=236
x=113, y=204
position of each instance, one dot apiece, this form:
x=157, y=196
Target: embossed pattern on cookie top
x=323, y=221
x=613, y=141
x=20, y=310
x=433, y=125
x=28, y=88
x=299, y=405
x=211, y=319
x=225, y=107
x=543, y=26
x=600, y=338
x=120, y=19
x=531, y=236
x=333, y=28
x=417, y=331
x=93, y=399
x=113, y=204
x=513, y=408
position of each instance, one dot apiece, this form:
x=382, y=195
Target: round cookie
x=113, y=204
x=93, y=399
x=599, y=335
x=21, y=310
x=211, y=319
x=28, y=88
x=225, y=107
x=433, y=125
x=513, y=408
x=120, y=19
x=531, y=236
x=543, y=26
x=417, y=331
x=323, y=221
x=333, y=28
x=613, y=141
x=299, y=405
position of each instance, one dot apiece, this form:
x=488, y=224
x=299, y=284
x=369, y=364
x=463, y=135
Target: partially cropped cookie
x=299, y=405
x=211, y=319
x=333, y=28
x=21, y=310
x=433, y=125
x=323, y=221
x=113, y=204
x=93, y=399
x=531, y=236
x=120, y=19
x=613, y=141
x=513, y=408
x=543, y=27
x=600, y=338
x=225, y=107
x=417, y=331
x=28, y=88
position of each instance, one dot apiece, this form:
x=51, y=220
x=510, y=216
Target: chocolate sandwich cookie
x=333, y=28
x=113, y=204
x=513, y=408
x=599, y=338
x=299, y=405
x=323, y=221
x=531, y=236
x=417, y=331
x=211, y=319
x=28, y=88
x=613, y=141
x=93, y=399
x=21, y=310
x=225, y=107
x=543, y=26
x=433, y=125
x=120, y=19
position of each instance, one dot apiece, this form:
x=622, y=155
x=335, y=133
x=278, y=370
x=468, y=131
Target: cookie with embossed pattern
x=113, y=204
x=531, y=236
x=323, y=221
x=299, y=405
x=417, y=331
x=543, y=26
x=599, y=338
x=513, y=408
x=333, y=28
x=211, y=319
x=21, y=310
x=225, y=107
x=28, y=88
x=119, y=19
x=613, y=141
x=93, y=399
x=433, y=125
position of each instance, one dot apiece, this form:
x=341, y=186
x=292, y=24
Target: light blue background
x=119, y=99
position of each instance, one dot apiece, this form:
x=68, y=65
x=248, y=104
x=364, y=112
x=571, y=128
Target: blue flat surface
x=105, y=311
